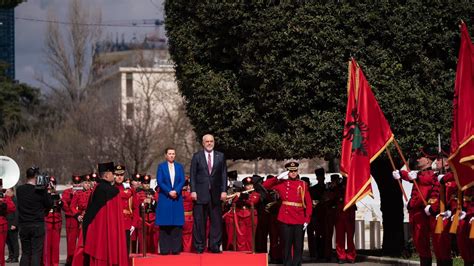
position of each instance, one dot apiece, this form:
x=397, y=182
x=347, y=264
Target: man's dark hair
x=31, y=172
x=319, y=171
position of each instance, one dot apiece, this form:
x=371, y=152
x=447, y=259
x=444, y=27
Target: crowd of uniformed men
x=254, y=206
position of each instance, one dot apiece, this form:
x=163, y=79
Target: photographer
x=33, y=203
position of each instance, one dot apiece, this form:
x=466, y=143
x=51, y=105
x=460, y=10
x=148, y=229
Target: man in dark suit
x=208, y=189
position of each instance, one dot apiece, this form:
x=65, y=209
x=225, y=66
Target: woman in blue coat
x=170, y=210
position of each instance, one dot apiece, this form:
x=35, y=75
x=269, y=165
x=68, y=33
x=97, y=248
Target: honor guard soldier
x=425, y=179
x=345, y=226
x=72, y=225
x=245, y=203
x=145, y=201
x=188, y=217
x=272, y=207
x=317, y=243
x=7, y=206
x=295, y=211
x=126, y=197
x=53, y=221
x=81, y=198
x=464, y=237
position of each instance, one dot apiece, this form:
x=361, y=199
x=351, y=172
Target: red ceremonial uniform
x=72, y=225
x=244, y=220
x=79, y=202
x=151, y=231
x=466, y=244
x=7, y=206
x=296, y=207
x=442, y=242
x=126, y=196
x=52, y=238
x=419, y=221
x=188, y=221
x=345, y=227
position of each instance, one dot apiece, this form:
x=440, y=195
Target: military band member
x=135, y=183
x=418, y=212
x=81, y=199
x=295, y=211
x=126, y=197
x=466, y=221
x=53, y=221
x=72, y=225
x=145, y=200
x=244, y=202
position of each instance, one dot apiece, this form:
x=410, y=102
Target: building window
x=129, y=84
x=129, y=110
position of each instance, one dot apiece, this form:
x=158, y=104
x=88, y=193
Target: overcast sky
x=29, y=35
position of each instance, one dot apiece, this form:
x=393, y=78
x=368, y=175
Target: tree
x=69, y=54
x=17, y=104
x=268, y=78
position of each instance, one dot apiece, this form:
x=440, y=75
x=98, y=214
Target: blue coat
x=170, y=211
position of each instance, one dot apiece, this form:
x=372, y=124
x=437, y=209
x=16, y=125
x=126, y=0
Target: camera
x=42, y=181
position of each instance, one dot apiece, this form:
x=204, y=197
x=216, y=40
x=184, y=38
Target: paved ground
x=362, y=260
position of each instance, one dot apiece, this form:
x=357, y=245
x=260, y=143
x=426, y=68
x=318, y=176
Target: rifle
x=442, y=193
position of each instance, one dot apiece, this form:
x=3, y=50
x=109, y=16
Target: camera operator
x=33, y=203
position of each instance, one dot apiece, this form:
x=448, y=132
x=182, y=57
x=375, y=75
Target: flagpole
x=394, y=169
x=408, y=169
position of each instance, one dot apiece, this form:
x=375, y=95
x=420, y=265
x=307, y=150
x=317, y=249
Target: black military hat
x=106, y=167
x=86, y=178
x=146, y=179
x=76, y=179
x=270, y=177
x=247, y=181
x=429, y=152
x=232, y=175
x=93, y=177
x=292, y=166
x=119, y=169
x=137, y=177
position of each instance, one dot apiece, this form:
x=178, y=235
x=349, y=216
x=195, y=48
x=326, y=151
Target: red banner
x=461, y=158
x=366, y=134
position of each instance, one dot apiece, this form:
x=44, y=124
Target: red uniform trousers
x=72, y=233
x=188, y=231
x=152, y=235
x=3, y=239
x=441, y=242
x=345, y=227
x=465, y=244
x=52, y=238
x=420, y=224
x=244, y=237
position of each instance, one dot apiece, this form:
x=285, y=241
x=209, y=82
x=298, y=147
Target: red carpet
x=227, y=258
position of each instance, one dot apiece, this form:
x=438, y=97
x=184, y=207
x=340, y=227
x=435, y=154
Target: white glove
x=126, y=185
x=427, y=210
x=472, y=219
x=445, y=215
x=440, y=177
x=462, y=215
x=305, y=225
x=396, y=174
x=283, y=175
x=412, y=175
x=132, y=229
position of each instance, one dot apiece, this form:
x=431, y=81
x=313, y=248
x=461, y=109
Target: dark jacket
x=208, y=186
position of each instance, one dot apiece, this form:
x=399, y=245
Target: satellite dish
x=9, y=172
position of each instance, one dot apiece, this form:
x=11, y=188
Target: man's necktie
x=209, y=163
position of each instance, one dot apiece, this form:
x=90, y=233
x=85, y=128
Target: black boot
x=425, y=261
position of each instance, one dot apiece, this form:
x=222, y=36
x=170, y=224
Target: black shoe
x=14, y=260
x=9, y=260
x=350, y=261
x=340, y=261
x=199, y=251
x=175, y=253
x=164, y=253
x=215, y=251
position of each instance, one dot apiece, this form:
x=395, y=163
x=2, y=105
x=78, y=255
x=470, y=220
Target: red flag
x=366, y=134
x=461, y=158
